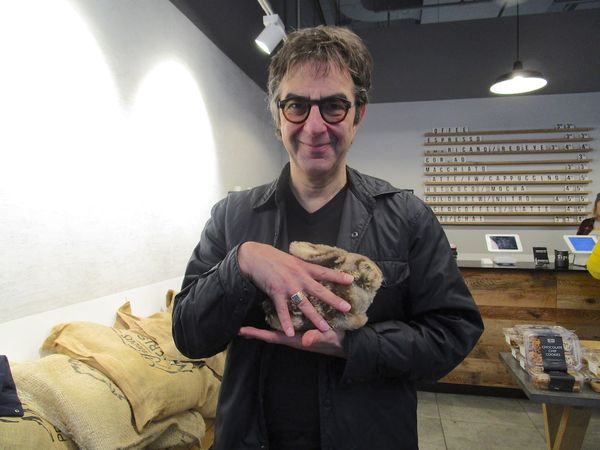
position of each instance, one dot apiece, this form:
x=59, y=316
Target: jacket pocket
x=394, y=272
x=389, y=303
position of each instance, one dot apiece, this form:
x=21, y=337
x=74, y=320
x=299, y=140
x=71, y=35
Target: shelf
x=512, y=214
x=512, y=224
x=510, y=141
x=510, y=152
x=507, y=203
x=492, y=132
x=503, y=183
x=510, y=193
x=509, y=172
x=508, y=163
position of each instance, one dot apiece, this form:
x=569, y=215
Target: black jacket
x=422, y=322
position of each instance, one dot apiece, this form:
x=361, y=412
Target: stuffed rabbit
x=360, y=294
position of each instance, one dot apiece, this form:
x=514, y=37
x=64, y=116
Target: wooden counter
x=523, y=294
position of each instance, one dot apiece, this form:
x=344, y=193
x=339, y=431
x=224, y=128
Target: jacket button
x=354, y=234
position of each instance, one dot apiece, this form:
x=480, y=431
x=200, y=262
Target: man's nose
x=314, y=121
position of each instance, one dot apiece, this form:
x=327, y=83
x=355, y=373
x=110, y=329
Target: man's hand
x=327, y=343
x=280, y=275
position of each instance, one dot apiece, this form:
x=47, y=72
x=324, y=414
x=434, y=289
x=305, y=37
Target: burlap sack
x=89, y=408
x=155, y=387
x=124, y=323
x=158, y=328
x=32, y=431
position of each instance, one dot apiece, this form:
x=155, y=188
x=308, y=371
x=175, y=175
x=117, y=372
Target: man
x=323, y=388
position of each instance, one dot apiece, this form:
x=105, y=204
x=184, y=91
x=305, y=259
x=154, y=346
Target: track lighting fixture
x=272, y=35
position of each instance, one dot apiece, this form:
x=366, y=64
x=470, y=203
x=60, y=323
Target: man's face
x=316, y=148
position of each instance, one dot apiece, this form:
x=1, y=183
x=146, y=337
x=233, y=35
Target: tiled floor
x=474, y=422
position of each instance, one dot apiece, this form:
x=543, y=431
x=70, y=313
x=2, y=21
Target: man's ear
x=360, y=113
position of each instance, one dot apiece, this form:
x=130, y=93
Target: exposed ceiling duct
x=378, y=13
x=442, y=49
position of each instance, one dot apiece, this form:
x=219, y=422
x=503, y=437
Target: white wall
x=144, y=301
x=390, y=146
x=121, y=125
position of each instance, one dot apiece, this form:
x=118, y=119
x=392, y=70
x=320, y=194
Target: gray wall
x=390, y=146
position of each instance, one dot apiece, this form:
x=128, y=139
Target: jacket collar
x=274, y=190
x=364, y=187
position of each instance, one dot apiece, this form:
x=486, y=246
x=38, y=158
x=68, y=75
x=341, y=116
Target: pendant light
x=518, y=81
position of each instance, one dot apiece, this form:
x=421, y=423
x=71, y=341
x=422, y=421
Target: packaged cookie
x=515, y=353
x=592, y=379
x=512, y=337
x=552, y=349
x=590, y=358
x=521, y=328
x=522, y=361
x=554, y=380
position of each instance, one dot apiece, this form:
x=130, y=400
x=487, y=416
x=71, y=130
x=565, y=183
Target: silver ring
x=297, y=298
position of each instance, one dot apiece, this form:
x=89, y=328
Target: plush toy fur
x=360, y=294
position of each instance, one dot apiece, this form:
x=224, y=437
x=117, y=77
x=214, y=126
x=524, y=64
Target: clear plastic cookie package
x=550, y=354
x=591, y=360
x=569, y=381
x=512, y=337
x=554, y=348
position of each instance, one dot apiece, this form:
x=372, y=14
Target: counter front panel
x=523, y=294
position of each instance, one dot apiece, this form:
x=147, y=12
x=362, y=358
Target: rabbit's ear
x=370, y=277
x=323, y=255
x=331, y=260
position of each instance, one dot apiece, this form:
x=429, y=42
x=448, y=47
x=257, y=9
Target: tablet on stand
x=504, y=243
x=580, y=244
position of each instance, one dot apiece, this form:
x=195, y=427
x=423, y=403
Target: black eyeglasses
x=333, y=109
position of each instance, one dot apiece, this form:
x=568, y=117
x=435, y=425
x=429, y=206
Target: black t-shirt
x=291, y=398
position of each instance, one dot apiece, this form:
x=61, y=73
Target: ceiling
x=427, y=49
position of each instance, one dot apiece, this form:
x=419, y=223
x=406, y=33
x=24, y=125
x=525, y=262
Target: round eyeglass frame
x=282, y=103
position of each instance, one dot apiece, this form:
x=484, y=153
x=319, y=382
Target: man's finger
x=311, y=314
x=308, y=338
x=283, y=313
x=325, y=295
x=269, y=336
x=257, y=333
x=301, y=301
x=325, y=274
